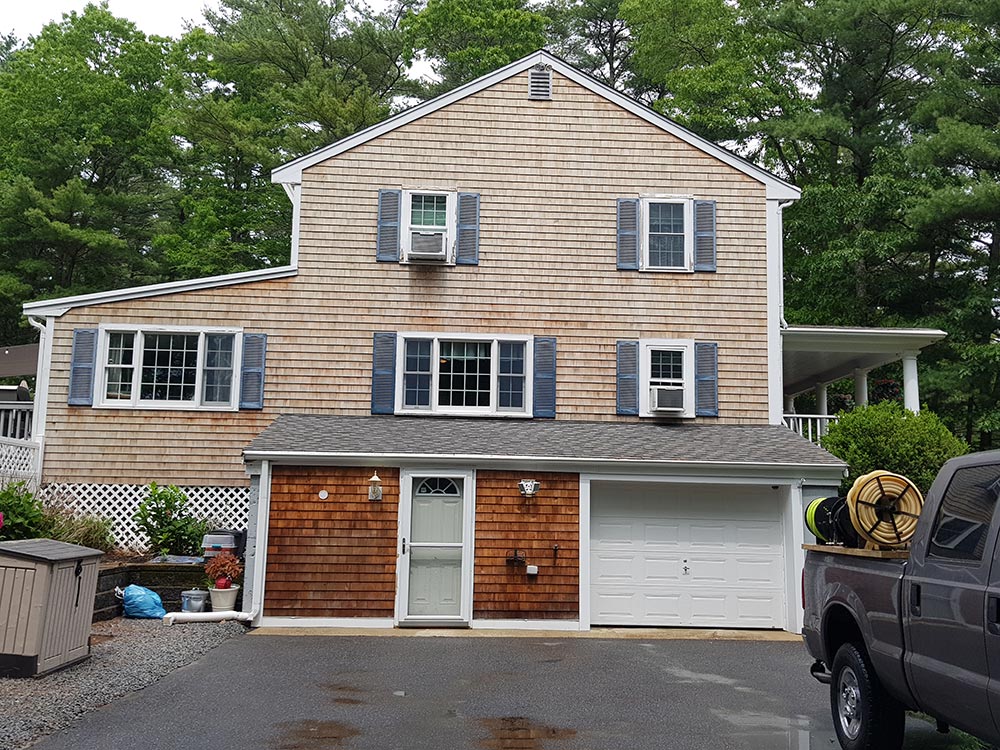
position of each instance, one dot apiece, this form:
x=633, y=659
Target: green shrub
x=887, y=436
x=164, y=519
x=23, y=513
x=88, y=531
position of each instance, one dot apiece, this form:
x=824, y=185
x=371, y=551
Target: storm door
x=435, y=550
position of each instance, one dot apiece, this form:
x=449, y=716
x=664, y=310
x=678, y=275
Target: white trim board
x=374, y=623
x=59, y=306
x=776, y=187
x=561, y=625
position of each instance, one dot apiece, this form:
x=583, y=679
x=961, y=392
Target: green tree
x=82, y=187
x=465, y=39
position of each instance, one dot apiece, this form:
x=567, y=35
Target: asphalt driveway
x=551, y=693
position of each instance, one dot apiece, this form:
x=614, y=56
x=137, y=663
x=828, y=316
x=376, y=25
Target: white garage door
x=686, y=556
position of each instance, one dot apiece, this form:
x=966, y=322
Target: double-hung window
x=428, y=225
x=464, y=374
x=667, y=373
x=667, y=226
x=169, y=368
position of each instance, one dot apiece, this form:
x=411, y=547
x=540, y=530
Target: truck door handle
x=915, y=599
x=993, y=615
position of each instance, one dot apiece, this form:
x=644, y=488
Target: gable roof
x=291, y=173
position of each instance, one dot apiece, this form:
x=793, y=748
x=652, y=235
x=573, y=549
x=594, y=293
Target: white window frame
x=450, y=228
x=495, y=340
x=101, y=376
x=644, y=214
x=646, y=347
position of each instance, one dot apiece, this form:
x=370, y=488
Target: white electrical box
x=532, y=570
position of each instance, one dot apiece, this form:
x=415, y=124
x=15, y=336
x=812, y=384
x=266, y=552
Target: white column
x=861, y=387
x=911, y=387
x=821, y=399
x=789, y=404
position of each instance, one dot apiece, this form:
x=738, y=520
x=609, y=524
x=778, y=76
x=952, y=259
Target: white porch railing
x=15, y=420
x=810, y=426
x=18, y=461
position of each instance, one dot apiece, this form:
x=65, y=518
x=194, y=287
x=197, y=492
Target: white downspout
x=174, y=617
x=39, y=411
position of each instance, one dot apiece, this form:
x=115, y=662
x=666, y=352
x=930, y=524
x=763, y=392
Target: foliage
x=87, y=530
x=223, y=565
x=887, y=436
x=23, y=514
x=164, y=519
x=469, y=38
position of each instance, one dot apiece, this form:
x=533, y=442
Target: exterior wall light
x=375, y=488
x=529, y=487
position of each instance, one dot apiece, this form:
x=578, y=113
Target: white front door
x=435, y=549
x=686, y=556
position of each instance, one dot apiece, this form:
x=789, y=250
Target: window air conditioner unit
x=666, y=398
x=427, y=246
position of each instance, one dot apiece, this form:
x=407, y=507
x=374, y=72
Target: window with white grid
x=169, y=367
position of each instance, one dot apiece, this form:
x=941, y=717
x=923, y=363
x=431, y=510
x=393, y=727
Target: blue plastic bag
x=140, y=602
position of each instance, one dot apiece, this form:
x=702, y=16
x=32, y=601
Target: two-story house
x=523, y=370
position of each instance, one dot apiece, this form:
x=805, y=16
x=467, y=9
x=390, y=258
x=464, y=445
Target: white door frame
x=406, y=482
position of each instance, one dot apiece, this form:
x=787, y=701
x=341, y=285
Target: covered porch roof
x=818, y=355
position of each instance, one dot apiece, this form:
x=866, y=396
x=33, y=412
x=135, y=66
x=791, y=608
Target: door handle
x=404, y=545
x=915, y=599
x=993, y=615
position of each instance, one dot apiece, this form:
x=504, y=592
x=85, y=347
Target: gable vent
x=540, y=82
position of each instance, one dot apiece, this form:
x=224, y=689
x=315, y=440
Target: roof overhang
x=814, y=355
x=707, y=452
x=60, y=306
x=777, y=189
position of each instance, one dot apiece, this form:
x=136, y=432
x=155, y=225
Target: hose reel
x=881, y=508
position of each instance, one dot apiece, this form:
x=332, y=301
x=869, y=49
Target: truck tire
x=865, y=717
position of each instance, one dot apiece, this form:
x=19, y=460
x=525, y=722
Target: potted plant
x=221, y=570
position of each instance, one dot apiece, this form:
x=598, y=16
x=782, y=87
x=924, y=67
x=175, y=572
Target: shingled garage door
x=686, y=555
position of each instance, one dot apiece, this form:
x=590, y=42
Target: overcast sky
x=162, y=17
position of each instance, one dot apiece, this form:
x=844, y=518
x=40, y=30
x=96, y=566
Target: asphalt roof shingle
x=520, y=438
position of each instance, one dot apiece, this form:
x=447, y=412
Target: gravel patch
x=126, y=655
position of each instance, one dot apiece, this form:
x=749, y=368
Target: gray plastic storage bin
x=47, y=591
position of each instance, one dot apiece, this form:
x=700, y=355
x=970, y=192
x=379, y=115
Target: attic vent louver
x=540, y=82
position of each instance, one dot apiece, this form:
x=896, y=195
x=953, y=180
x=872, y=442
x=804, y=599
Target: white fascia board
x=776, y=187
x=868, y=340
x=705, y=469
x=59, y=306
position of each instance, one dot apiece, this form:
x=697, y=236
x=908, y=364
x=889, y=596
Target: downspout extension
x=174, y=617
x=781, y=320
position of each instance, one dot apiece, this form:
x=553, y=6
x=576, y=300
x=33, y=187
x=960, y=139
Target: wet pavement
x=550, y=693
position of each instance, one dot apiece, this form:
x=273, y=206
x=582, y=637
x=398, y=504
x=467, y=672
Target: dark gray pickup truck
x=919, y=633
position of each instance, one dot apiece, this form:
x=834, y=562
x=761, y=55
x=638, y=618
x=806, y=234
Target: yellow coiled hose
x=884, y=508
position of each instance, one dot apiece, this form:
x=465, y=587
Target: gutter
x=708, y=468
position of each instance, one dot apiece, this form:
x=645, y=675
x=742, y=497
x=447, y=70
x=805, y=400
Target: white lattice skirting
x=18, y=459
x=224, y=507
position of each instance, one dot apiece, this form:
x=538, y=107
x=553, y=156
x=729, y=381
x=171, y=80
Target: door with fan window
x=435, y=549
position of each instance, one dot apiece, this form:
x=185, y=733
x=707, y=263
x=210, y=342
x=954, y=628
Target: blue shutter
x=384, y=373
x=252, y=371
x=704, y=235
x=390, y=203
x=628, y=234
x=81, y=368
x=544, y=396
x=628, y=377
x=467, y=244
x=706, y=379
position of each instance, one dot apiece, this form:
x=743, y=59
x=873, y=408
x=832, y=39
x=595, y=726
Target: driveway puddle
x=520, y=733
x=315, y=735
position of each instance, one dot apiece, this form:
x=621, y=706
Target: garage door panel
x=734, y=558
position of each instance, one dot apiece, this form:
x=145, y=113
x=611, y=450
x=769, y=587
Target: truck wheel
x=864, y=715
